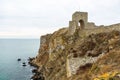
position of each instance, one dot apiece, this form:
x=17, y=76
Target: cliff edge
x=81, y=51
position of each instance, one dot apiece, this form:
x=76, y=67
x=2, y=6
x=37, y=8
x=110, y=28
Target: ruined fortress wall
x=73, y=64
x=115, y=26
x=72, y=27
x=80, y=16
x=99, y=29
x=90, y=25
x=81, y=19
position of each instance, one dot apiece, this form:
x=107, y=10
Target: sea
x=10, y=51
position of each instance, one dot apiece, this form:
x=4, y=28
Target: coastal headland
x=80, y=51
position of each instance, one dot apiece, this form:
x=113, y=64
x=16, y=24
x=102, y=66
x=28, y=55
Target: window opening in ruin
x=81, y=24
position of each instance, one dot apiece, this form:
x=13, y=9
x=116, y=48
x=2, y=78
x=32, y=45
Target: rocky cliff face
x=80, y=52
x=85, y=55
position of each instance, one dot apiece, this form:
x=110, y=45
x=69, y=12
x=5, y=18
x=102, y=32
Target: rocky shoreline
x=37, y=74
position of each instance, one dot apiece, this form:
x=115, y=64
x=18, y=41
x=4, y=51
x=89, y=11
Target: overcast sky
x=32, y=18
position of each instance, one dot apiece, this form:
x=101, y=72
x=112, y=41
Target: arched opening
x=81, y=24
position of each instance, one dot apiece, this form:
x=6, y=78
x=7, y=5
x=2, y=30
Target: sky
x=33, y=18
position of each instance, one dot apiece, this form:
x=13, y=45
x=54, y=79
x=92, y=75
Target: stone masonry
x=80, y=21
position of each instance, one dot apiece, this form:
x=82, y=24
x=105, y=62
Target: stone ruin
x=79, y=21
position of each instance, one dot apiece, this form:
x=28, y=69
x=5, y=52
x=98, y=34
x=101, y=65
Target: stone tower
x=79, y=21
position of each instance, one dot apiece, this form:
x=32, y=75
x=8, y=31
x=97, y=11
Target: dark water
x=10, y=51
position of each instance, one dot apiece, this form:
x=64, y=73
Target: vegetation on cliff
x=83, y=51
x=100, y=53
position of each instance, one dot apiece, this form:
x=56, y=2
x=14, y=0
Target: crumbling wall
x=73, y=64
x=72, y=27
x=90, y=25
x=56, y=46
x=77, y=16
x=79, y=21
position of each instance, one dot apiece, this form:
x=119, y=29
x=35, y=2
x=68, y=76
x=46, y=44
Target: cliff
x=84, y=52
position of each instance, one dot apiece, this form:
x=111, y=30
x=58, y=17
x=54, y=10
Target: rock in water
x=18, y=59
x=24, y=64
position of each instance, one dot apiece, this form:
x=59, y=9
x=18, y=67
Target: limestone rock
x=78, y=52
